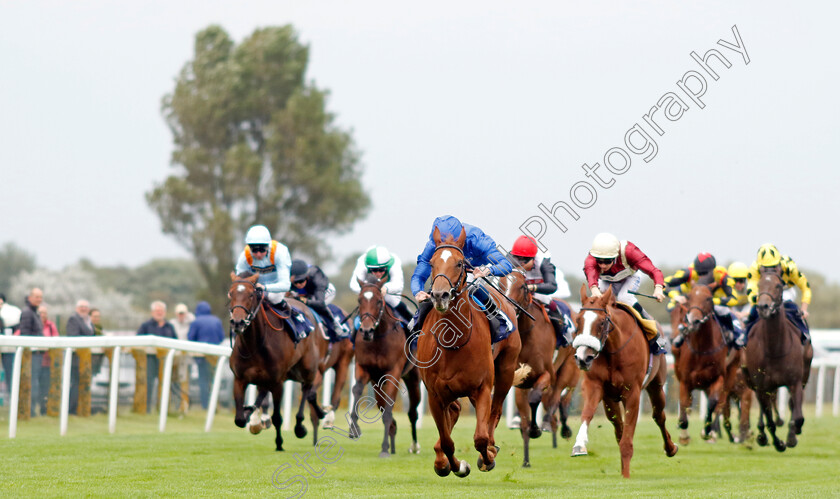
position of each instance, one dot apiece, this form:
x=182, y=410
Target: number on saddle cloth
x=297, y=324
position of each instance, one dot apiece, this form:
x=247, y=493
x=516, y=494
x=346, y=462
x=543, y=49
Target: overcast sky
x=483, y=110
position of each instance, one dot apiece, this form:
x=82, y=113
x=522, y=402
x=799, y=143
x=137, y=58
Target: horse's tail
x=521, y=374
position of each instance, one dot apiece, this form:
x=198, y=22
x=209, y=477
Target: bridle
x=693, y=327
x=776, y=299
x=462, y=276
x=528, y=294
x=251, y=313
x=382, y=307
x=607, y=326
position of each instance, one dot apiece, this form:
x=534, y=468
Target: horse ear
x=232, y=276
x=462, y=238
x=361, y=283
x=253, y=278
x=381, y=281
x=609, y=297
x=436, y=236
x=582, y=292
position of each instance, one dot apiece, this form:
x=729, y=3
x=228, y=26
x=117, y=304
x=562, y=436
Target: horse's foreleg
x=538, y=393
x=797, y=419
x=341, y=367
x=572, y=374
x=444, y=447
x=412, y=382
x=482, y=437
x=362, y=379
x=766, y=402
x=656, y=394
x=631, y=416
x=593, y=391
x=521, y=398
x=744, y=406
x=277, y=415
x=300, y=429
x=386, y=397
x=613, y=411
x=715, y=392
x=240, y=418
x=685, y=407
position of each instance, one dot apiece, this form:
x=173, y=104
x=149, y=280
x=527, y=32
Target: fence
x=826, y=347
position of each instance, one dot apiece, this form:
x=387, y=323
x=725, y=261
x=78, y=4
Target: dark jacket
x=316, y=287
x=151, y=327
x=206, y=328
x=30, y=321
x=76, y=326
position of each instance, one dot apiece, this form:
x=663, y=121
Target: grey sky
x=478, y=109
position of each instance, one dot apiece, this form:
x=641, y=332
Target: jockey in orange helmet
x=541, y=278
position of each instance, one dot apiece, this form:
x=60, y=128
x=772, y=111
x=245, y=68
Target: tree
x=254, y=144
x=13, y=261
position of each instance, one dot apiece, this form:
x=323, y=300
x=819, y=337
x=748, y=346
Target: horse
x=735, y=386
x=566, y=377
x=535, y=357
x=265, y=355
x=701, y=363
x=380, y=359
x=338, y=358
x=775, y=357
x=611, y=349
x=456, y=359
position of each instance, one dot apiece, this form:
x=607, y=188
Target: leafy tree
x=254, y=143
x=13, y=261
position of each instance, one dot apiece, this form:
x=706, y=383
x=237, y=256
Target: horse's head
x=245, y=299
x=449, y=270
x=593, y=326
x=515, y=287
x=770, y=288
x=700, y=307
x=371, y=306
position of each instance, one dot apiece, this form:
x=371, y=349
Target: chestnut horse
x=380, y=359
x=566, y=377
x=701, y=364
x=737, y=391
x=456, y=359
x=775, y=357
x=535, y=358
x=338, y=359
x=611, y=349
x=265, y=355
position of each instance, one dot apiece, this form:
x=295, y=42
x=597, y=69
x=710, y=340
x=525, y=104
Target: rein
x=382, y=308
x=456, y=291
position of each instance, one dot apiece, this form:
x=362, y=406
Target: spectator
x=30, y=325
x=78, y=324
x=50, y=329
x=183, y=319
x=96, y=324
x=9, y=320
x=156, y=326
x=206, y=328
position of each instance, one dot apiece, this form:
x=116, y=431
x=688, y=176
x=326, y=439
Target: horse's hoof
x=526, y=464
x=534, y=432
x=579, y=450
x=265, y=422
x=414, y=448
x=761, y=440
x=240, y=422
x=482, y=466
x=329, y=420
x=300, y=431
x=685, y=440
x=255, y=429
x=673, y=452
x=279, y=448
x=546, y=426
x=566, y=432
x=464, y=471
x=779, y=445
x=792, y=441
x=384, y=454
x=443, y=472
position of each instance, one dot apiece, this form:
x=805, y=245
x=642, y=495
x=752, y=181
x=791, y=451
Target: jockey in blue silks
x=480, y=251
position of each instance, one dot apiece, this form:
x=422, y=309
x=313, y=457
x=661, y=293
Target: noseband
x=378, y=317
x=251, y=313
x=462, y=276
x=606, y=326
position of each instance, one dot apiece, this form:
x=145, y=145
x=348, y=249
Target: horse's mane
x=370, y=279
x=706, y=280
x=246, y=274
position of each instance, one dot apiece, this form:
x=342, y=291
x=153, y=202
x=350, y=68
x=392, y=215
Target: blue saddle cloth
x=297, y=324
x=503, y=331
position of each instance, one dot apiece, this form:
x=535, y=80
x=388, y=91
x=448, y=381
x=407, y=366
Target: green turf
x=185, y=461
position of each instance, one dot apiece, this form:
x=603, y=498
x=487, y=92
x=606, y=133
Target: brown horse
x=612, y=350
x=775, y=357
x=738, y=391
x=701, y=364
x=456, y=359
x=338, y=359
x=566, y=377
x=535, y=358
x=265, y=355
x=380, y=358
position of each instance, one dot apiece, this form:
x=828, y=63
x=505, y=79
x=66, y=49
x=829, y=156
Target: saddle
x=648, y=326
x=297, y=324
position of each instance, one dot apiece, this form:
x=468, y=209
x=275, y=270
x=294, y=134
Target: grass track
x=185, y=461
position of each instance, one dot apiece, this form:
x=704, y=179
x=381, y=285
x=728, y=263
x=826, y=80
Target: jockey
x=311, y=286
x=379, y=263
x=738, y=273
x=541, y=278
x=480, y=251
x=614, y=263
x=269, y=259
x=769, y=258
x=705, y=270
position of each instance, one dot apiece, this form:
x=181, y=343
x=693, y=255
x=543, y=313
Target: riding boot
x=678, y=340
x=658, y=343
x=494, y=315
x=416, y=322
x=642, y=311
x=561, y=332
x=403, y=312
